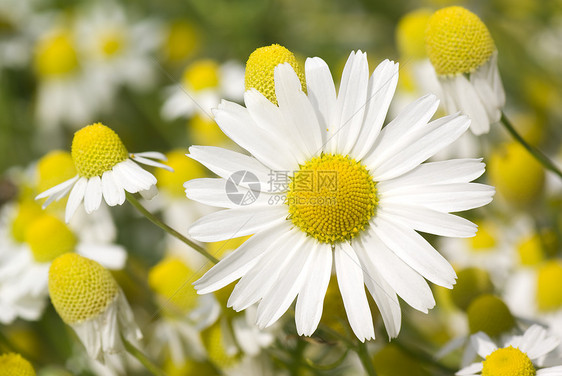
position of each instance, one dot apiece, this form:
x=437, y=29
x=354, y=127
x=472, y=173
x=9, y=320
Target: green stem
x=168, y=229
x=142, y=358
x=536, y=153
x=365, y=358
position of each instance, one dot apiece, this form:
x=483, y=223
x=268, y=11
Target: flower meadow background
x=151, y=71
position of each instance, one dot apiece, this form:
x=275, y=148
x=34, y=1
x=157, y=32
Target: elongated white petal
x=152, y=155
x=471, y=370
x=233, y=223
x=112, y=192
x=111, y=256
x=550, y=371
x=220, y=193
x=308, y=310
x=483, y=344
x=536, y=343
x=350, y=281
x=150, y=162
x=58, y=188
x=321, y=92
x=75, y=198
x=237, y=263
x=92, y=196
x=415, y=251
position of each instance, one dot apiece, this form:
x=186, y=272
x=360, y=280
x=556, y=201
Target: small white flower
x=105, y=169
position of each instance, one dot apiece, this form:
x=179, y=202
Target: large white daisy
x=357, y=195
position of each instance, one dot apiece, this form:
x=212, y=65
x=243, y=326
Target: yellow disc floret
x=97, y=149
x=508, y=361
x=27, y=212
x=489, y=314
x=169, y=280
x=485, y=238
x=531, y=250
x=111, y=42
x=217, y=351
x=202, y=74
x=471, y=283
x=56, y=55
x=185, y=169
x=54, y=168
x=549, y=286
x=49, y=237
x=517, y=176
x=410, y=34
x=332, y=198
x=12, y=364
x=261, y=65
x=182, y=40
x=80, y=288
x=457, y=41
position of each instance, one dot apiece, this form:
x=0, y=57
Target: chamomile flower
x=204, y=82
x=12, y=364
x=356, y=196
x=88, y=299
x=105, y=169
x=464, y=57
x=519, y=355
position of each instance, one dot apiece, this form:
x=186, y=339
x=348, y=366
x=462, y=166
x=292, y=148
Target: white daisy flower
x=356, y=197
x=87, y=297
x=464, y=56
x=32, y=240
x=520, y=355
x=105, y=169
x=203, y=84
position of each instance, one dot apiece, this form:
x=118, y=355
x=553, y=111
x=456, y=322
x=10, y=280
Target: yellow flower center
x=55, y=168
x=168, y=279
x=213, y=340
x=508, y=361
x=457, y=41
x=489, y=314
x=80, y=288
x=205, y=131
x=530, y=250
x=261, y=65
x=471, y=283
x=549, y=286
x=49, y=237
x=97, y=149
x=332, y=198
x=181, y=41
x=485, y=238
x=12, y=364
x=184, y=169
x=111, y=42
x=28, y=211
x=517, y=176
x=202, y=74
x=410, y=34
x=56, y=55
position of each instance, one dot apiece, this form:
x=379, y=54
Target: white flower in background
x=519, y=355
x=464, y=56
x=364, y=221
x=88, y=299
x=32, y=239
x=105, y=169
x=204, y=83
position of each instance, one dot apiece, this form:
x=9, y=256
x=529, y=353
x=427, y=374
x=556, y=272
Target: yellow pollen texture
x=56, y=55
x=549, y=286
x=97, y=149
x=168, y=279
x=202, y=74
x=457, y=41
x=55, y=168
x=12, y=364
x=332, y=198
x=49, y=237
x=490, y=315
x=80, y=288
x=508, y=361
x=261, y=65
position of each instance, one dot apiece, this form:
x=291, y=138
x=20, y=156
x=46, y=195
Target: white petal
x=150, y=162
x=237, y=124
x=152, y=155
x=351, y=101
x=225, y=194
x=407, y=283
x=471, y=370
x=382, y=85
x=57, y=188
x=308, y=310
x=110, y=256
x=350, y=281
x=237, y=263
x=321, y=92
x=415, y=251
x=92, y=196
x=536, y=343
x=550, y=371
x=132, y=179
x=233, y=223
x=150, y=193
x=483, y=344
x=112, y=193
x=298, y=113
x=225, y=162
x=75, y=198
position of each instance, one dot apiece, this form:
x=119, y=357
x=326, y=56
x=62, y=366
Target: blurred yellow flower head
x=169, y=279
x=12, y=364
x=549, y=286
x=48, y=237
x=489, y=314
x=55, y=54
x=185, y=169
x=410, y=34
